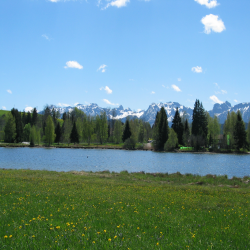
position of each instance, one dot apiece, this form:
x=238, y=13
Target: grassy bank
x=43, y=210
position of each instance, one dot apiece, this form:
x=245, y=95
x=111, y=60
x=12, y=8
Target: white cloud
x=9, y=91
x=209, y=3
x=212, y=23
x=54, y=1
x=235, y=100
x=215, y=99
x=102, y=68
x=216, y=84
x=197, y=69
x=46, y=37
x=76, y=103
x=223, y=92
x=179, y=79
x=176, y=88
x=73, y=64
x=110, y=103
x=63, y=104
x=28, y=109
x=131, y=80
x=3, y=107
x=107, y=89
x=118, y=3
x=152, y=92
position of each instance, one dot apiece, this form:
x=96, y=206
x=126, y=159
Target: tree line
x=77, y=127
x=204, y=131
x=74, y=127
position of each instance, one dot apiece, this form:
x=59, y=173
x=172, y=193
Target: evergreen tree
x=127, y=132
x=19, y=125
x=248, y=133
x=24, y=118
x=177, y=126
x=33, y=136
x=74, y=136
x=10, y=129
x=58, y=132
x=64, y=116
x=49, y=131
x=66, y=130
x=240, y=134
x=160, y=129
x=34, y=117
x=28, y=118
x=229, y=128
x=199, y=124
x=186, y=133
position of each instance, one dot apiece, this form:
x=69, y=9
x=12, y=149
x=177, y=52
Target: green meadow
x=84, y=210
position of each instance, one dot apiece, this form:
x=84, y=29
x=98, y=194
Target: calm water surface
x=117, y=160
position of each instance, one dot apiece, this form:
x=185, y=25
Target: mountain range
x=220, y=110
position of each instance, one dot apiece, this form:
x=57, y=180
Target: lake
x=56, y=159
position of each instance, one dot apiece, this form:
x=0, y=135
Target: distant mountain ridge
x=220, y=110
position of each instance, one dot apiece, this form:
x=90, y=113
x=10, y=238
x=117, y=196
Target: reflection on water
x=117, y=160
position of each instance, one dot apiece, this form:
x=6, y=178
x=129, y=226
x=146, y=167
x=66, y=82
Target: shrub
x=129, y=143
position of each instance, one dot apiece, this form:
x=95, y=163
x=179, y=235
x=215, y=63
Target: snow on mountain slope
x=149, y=115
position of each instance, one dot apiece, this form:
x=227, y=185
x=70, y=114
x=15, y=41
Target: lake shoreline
x=3, y=145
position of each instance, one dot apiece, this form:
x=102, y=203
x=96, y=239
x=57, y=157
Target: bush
x=172, y=141
x=129, y=143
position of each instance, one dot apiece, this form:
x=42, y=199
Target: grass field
x=3, y=112
x=79, y=210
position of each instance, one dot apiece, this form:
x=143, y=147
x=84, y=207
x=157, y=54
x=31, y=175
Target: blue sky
x=126, y=52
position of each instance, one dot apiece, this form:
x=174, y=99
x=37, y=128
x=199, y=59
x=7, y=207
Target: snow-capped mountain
x=149, y=115
x=221, y=111
x=170, y=108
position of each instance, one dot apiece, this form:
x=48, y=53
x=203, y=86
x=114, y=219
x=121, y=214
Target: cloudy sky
x=123, y=52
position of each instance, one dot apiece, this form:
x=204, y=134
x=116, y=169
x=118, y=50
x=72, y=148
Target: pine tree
x=118, y=131
x=127, y=132
x=160, y=129
x=74, y=136
x=199, y=125
x=186, y=133
x=240, y=134
x=177, y=126
x=34, y=117
x=28, y=118
x=19, y=125
x=58, y=132
x=10, y=129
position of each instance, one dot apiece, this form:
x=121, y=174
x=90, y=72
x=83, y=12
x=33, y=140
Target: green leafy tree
x=26, y=132
x=49, y=131
x=58, y=132
x=127, y=132
x=102, y=127
x=240, y=134
x=88, y=128
x=118, y=131
x=172, y=140
x=213, y=129
x=67, y=127
x=10, y=129
x=229, y=127
x=161, y=129
x=177, y=126
x=79, y=127
x=74, y=136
